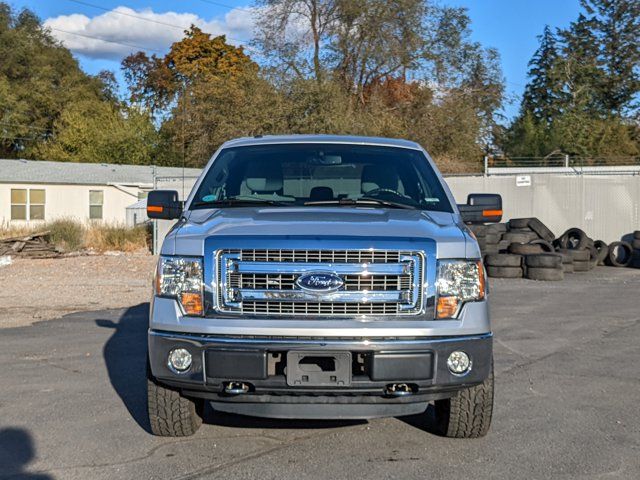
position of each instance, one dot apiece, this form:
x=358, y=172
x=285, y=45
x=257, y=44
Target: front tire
x=468, y=413
x=170, y=413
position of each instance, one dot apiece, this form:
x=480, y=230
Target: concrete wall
x=607, y=207
x=72, y=201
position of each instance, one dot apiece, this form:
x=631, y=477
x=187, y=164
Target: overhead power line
x=117, y=12
x=151, y=20
x=224, y=5
x=106, y=40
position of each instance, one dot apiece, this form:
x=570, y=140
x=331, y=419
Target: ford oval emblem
x=319, y=282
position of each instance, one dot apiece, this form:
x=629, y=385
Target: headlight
x=459, y=281
x=181, y=278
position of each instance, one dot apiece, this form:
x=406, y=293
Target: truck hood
x=189, y=238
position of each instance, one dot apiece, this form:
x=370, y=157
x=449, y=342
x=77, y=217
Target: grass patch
x=116, y=237
x=71, y=236
x=68, y=235
x=9, y=231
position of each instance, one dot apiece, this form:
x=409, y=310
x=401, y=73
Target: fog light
x=179, y=360
x=459, y=363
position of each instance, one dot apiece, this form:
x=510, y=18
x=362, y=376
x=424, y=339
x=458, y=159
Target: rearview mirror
x=482, y=208
x=164, y=204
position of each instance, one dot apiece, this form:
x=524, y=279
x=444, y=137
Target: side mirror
x=163, y=204
x=482, y=208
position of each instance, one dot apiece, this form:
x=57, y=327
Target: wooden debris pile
x=36, y=245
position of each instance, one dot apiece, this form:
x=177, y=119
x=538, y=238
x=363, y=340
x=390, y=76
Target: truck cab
x=320, y=277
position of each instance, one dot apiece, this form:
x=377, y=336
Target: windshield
x=321, y=174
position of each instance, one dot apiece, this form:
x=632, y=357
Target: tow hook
x=236, y=388
x=399, y=390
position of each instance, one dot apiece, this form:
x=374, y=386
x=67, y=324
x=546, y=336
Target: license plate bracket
x=318, y=369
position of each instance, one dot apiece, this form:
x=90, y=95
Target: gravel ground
x=73, y=401
x=33, y=290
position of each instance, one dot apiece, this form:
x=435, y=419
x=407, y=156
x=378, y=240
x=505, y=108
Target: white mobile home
x=36, y=191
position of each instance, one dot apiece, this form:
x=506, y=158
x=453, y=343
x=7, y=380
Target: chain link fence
x=604, y=201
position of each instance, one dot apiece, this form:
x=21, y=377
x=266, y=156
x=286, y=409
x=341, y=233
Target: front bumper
x=377, y=362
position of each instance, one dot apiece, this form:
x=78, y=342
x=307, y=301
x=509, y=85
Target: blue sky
x=511, y=26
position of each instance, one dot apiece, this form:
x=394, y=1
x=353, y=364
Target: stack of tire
x=488, y=237
x=635, y=243
x=525, y=250
x=576, y=244
x=621, y=254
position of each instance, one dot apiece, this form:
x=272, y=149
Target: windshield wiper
x=361, y=201
x=233, y=201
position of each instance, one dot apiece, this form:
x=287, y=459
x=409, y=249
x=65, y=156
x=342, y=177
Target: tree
x=38, y=80
x=583, y=89
x=210, y=113
x=362, y=67
x=50, y=109
x=577, y=71
x=206, y=90
x=291, y=34
x=157, y=82
x=616, y=24
x=542, y=95
x=375, y=39
x=101, y=133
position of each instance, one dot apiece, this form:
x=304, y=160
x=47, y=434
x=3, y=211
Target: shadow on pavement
x=125, y=355
x=424, y=421
x=16, y=451
x=243, y=421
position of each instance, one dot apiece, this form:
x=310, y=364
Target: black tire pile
x=525, y=247
x=635, y=245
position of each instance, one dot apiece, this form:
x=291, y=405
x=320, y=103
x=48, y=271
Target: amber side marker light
x=446, y=307
x=154, y=208
x=482, y=281
x=192, y=303
x=492, y=213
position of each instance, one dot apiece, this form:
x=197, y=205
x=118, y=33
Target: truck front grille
x=374, y=282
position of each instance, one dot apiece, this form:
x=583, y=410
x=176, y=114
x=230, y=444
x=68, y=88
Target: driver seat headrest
x=264, y=177
x=379, y=176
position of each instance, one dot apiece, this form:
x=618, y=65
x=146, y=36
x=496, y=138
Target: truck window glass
x=304, y=174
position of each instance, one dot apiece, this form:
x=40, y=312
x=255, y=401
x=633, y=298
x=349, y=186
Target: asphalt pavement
x=73, y=400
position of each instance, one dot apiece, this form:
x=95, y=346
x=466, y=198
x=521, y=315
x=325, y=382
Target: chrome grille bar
x=363, y=297
x=339, y=268
x=319, y=256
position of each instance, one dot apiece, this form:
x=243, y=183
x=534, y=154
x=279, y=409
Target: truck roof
x=359, y=140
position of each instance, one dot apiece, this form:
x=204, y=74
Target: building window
x=27, y=204
x=96, y=201
x=36, y=204
x=18, y=204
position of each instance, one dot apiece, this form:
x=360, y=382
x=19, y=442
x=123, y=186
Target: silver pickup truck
x=321, y=277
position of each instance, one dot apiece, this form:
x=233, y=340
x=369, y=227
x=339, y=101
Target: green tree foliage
x=207, y=92
x=50, y=109
x=542, y=96
x=616, y=26
x=197, y=59
x=103, y=132
x=582, y=97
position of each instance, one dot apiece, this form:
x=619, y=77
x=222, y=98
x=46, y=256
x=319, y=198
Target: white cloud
x=119, y=33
